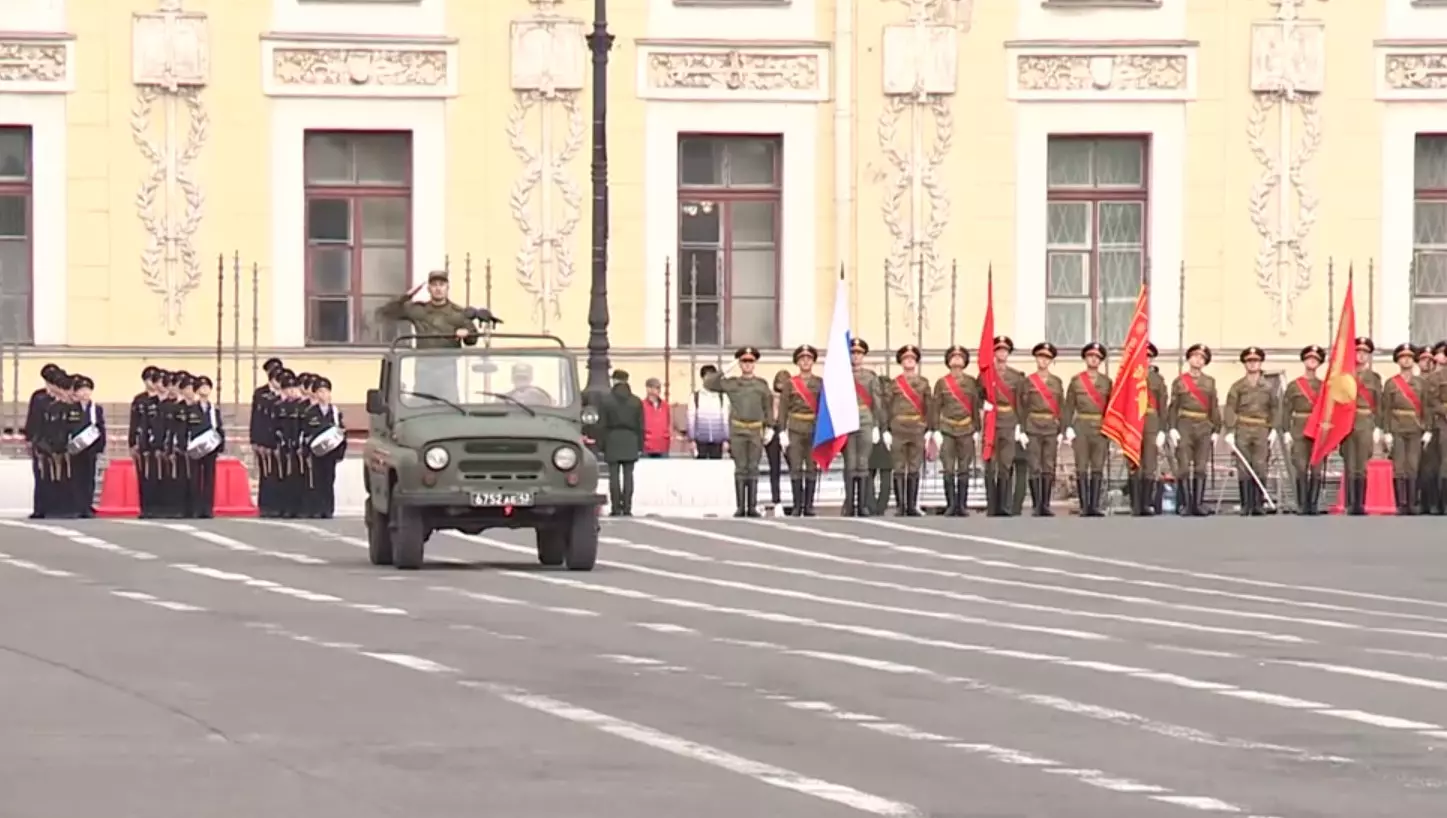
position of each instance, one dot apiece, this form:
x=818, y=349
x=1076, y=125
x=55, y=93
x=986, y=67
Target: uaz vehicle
x=480, y=437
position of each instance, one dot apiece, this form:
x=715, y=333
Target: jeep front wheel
x=582, y=535
x=409, y=538
x=379, y=538
x=552, y=545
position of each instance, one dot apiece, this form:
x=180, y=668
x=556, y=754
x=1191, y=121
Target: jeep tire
x=379, y=538
x=552, y=545
x=582, y=540
x=409, y=538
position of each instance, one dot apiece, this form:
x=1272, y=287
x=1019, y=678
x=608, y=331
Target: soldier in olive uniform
x=751, y=406
x=1404, y=420
x=1081, y=414
x=1427, y=471
x=868, y=388
x=1040, y=401
x=1295, y=409
x=438, y=316
x=1366, y=433
x=956, y=424
x=907, y=400
x=1145, y=495
x=1003, y=385
x=1193, y=421
x=1250, y=413
x=1436, y=399
x=798, y=411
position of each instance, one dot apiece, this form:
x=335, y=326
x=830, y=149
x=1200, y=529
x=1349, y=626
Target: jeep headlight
x=590, y=416
x=436, y=458
x=565, y=458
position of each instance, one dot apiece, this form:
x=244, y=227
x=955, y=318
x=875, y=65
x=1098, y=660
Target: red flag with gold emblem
x=1125, y=412
x=1335, y=410
x=985, y=359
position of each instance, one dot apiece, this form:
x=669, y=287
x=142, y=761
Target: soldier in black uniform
x=202, y=417
x=286, y=434
x=138, y=438
x=263, y=438
x=85, y=461
x=167, y=431
x=63, y=421
x=38, y=443
x=323, y=415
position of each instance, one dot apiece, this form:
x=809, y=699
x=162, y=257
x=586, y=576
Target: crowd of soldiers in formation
x=65, y=432
x=1035, y=414
x=298, y=438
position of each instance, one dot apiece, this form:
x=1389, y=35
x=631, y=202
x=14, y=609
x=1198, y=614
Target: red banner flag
x=985, y=360
x=1125, y=412
x=1335, y=410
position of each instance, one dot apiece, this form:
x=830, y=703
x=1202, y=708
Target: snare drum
x=328, y=441
x=82, y=440
x=203, y=444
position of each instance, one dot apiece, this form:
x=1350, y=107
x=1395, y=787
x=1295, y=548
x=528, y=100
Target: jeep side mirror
x=375, y=404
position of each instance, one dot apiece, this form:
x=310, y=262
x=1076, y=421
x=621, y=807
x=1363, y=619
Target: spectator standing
x=657, y=421
x=708, y=420
x=622, y=442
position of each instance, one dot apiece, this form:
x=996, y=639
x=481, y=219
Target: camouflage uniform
x=1296, y=405
x=1040, y=402
x=1193, y=421
x=1250, y=413
x=751, y=405
x=956, y=424
x=1359, y=446
x=798, y=412
x=907, y=401
x=869, y=390
x=1405, y=421
x=1003, y=387
x=1081, y=414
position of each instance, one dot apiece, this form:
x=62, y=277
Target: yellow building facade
x=322, y=156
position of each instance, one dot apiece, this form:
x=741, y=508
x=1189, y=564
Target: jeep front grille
x=500, y=446
x=501, y=470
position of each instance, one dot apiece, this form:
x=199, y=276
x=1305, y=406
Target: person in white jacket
x=708, y=421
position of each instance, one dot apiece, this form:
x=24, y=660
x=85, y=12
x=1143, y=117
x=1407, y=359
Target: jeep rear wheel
x=379, y=538
x=409, y=538
x=582, y=538
x=552, y=545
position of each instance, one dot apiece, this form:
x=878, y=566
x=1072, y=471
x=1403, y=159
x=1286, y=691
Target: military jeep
x=478, y=437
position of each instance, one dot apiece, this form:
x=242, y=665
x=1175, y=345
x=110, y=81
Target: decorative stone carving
x=1120, y=73
x=1287, y=77
x=169, y=123
x=916, y=132
x=1416, y=72
x=424, y=68
x=545, y=129
x=34, y=65
x=734, y=74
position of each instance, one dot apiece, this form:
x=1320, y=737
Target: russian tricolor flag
x=838, y=400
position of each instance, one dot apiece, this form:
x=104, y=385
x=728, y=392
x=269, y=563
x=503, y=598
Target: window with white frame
x=16, y=236
x=1429, y=240
x=1096, y=251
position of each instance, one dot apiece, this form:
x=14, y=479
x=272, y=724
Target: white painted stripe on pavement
x=509, y=601
x=283, y=590
x=1368, y=673
x=82, y=538
x=35, y=567
x=410, y=662
x=233, y=544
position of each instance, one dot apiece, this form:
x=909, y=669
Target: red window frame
x=354, y=194
x=1095, y=196
x=25, y=188
x=725, y=197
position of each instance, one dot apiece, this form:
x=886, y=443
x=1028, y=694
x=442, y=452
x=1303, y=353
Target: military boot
x=796, y=498
x=751, y=493
x=901, y=500
x=950, y=499
x=1019, y=484
x=1356, y=496
x=962, y=495
x=992, y=495
x=1005, y=498
x=741, y=497
x=811, y=485
x=1082, y=494
x=911, y=493
x=1197, y=507
x=1047, y=488
x=1097, y=493
x=851, y=500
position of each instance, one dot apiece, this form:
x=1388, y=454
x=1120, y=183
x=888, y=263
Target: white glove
x=989, y=407
x=1272, y=436
x=1215, y=436
x=937, y=438
x=977, y=440
x=1070, y=435
x=1387, y=441
x=784, y=439
x=1022, y=438
x=1426, y=438
x=888, y=440
x=769, y=437
x=1286, y=439
x=1230, y=439
x=1160, y=439
x=1175, y=437
x=875, y=435
x=1377, y=437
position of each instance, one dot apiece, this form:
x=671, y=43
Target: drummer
x=325, y=446
x=93, y=438
x=205, y=443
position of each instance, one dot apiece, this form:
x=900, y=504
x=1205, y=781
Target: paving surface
x=1021, y=668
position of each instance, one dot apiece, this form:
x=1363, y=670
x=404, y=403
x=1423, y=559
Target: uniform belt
x=1405, y=412
x=1364, y=411
x=747, y=424
x=1004, y=409
x=1301, y=414
x=1088, y=415
x=1193, y=415
x=801, y=416
x=1050, y=415
x=1251, y=421
x=953, y=422
x=907, y=416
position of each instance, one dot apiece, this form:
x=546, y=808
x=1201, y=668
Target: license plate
x=494, y=499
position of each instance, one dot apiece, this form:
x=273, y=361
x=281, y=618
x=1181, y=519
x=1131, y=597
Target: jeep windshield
x=494, y=379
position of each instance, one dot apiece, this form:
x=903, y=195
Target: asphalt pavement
x=1114, y=668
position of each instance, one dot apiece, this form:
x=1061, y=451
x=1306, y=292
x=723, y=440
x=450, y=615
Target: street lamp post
x=599, y=43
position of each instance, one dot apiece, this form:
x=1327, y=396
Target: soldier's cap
x=49, y=369
x=1424, y=351
x=83, y=382
x=1404, y=351
x=746, y=354
x=859, y=345
x=203, y=380
x=52, y=377
x=620, y=376
x=653, y=383
x=1440, y=346
x=907, y=349
x=1151, y=350
x=805, y=349
x=1201, y=348
x=322, y=383
x=1004, y=342
x=954, y=350
x=149, y=373
x=271, y=365
x=188, y=381
x=1094, y=346
x=64, y=381
x=436, y=275
x=1253, y=354
x=1045, y=349
x=1313, y=351
x=1364, y=344
x=287, y=380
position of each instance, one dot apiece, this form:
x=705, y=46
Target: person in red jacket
x=657, y=421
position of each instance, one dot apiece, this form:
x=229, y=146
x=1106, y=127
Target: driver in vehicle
x=523, y=389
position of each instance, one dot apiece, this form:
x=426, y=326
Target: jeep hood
x=418, y=431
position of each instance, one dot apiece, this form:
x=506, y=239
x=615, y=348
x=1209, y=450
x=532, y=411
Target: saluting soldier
x=1251, y=410
x=1145, y=496
x=869, y=389
x=956, y=424
x=1366, y=435
x=798, y=412
x=437, y=316
x=1007, y=385
x=751, y=405
x=320, y=417
x=1296, y=406
x=1081, y=414
x=1193, y=421
x=907, y=400
x=1040, y=402
x=1404, y=420
x=1428, y=469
